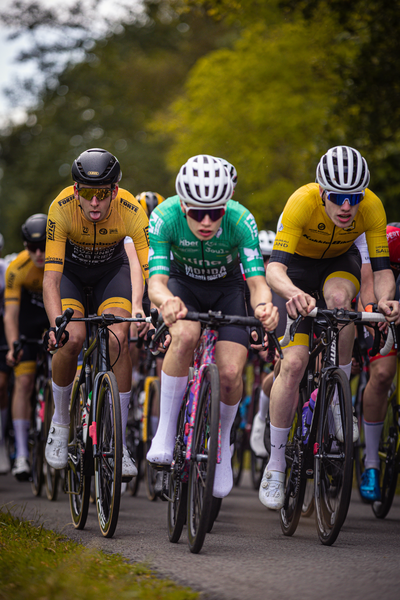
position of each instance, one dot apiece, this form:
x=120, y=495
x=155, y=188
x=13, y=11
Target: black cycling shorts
x=110, y=286
x=225, y=295
x=310, y=275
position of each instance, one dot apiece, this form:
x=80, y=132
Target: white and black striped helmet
x=342, y=169
x=204, y=182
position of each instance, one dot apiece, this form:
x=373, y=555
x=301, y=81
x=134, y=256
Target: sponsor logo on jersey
x=113, y=231
x=51, y=229
x=251, y=253
x=103, y=231
x=53, y=260
x=280, y=228
x=65, y=201
x=146, y=233
x=351, y=227
x=321, y=226
x=205, y=275
x=128, y=205
x=252, y=226
x=187, y=244
x=155, y=223
x=10, y=280
x=85, y=230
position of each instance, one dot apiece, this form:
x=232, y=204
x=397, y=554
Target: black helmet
x=34, y=229
x=96, y=167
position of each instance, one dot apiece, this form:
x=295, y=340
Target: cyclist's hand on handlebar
x=300, y=304
x=139, y=329
x=13, y=360
x=268, y=315
x=390, y=308
x=172, y=310
x=50, y=341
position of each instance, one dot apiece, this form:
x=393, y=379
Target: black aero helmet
x=34, y=229
x=96, y=167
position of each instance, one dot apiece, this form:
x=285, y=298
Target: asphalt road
x=246, y=555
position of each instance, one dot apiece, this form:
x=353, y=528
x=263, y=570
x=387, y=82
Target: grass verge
x=39, y=564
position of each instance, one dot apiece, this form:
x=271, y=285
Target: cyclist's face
x=37, y=257
x=342, y=216
x=95, y=209
x=203, y=230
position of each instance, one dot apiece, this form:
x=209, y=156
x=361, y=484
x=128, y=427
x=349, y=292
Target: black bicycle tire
x=52, y=475
x=388, y=468
x=134, y=430
x=326, y=471
x=239, y=444
x=215, y=508
x=308, y=501
x=197, y=520
x=359, y=445
x=78, y=503
x=294, y=487
x=108, y=476
x=36, y=446
x=177, y=505
x=149, y=472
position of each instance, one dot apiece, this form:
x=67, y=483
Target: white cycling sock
x=21, y=431
x=279, y=436
x=162, y=446
x=223, y=480
x=61, y=397
x=264, y=405
x=124, y=398
x=372, y=433
x=347, y=371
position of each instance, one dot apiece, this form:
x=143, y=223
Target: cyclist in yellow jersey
x=314, y=258
x=25, y=315
x=87, y=225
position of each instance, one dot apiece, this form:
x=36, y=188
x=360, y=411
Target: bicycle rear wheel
x=388, y=467
x=203, y=458
x=359, y=446
x=177, y=504
x=333, y=461
x=78, y=484
x=133, y=437
x=52, y=476
x=295, y=484
x=36, y=436
x=108, y=458
x=153, y=411
x=238, y=439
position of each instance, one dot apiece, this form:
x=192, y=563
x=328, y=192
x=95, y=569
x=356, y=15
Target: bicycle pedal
x=161, y=485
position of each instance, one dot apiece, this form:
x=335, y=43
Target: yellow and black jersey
x=71, y=238
x=306, y=229
x=23, y=277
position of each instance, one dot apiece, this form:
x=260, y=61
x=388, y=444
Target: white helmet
x=266, y=239
x=342, y=169
x=231, y=170
x=204, y=182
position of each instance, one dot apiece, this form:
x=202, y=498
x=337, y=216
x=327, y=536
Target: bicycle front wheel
x=78, y=484
x=239, y=443
x=203, y=458
x=333, y=460
x=388, y=467
x=295, y=484
x=151, y=420
x=108, y=458
x=177, y=504
x=52, y=475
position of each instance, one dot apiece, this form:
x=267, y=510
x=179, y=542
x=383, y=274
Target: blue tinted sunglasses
x=340, y=199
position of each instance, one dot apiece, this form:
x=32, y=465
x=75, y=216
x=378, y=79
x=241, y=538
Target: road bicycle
x=144, y=410
x=188, y=483
x=316, y=453
x=95, y=435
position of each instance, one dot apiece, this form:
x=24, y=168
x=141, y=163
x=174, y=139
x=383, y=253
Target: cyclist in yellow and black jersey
x=314, y=257
x=87, y=225
x=25, y=315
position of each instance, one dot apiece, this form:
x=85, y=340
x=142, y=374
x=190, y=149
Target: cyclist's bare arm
x=52, y=301
x=260, y=298
x=11, y=328
x=137, y=290
x=298, y=302
x=384, y=287
x=171, y=307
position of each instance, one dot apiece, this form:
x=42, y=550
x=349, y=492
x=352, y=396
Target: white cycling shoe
x=338, y=424
x=272, y=489
x=56, y=452
x=129, y=469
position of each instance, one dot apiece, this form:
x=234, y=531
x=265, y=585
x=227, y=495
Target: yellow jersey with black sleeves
x=306, y=229
x=22, y=276
x=71, y=238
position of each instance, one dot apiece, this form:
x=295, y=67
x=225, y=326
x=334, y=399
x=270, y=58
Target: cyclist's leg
x=174, y=374
x=259, y=421
x=381, y=375
x=230, y=358
x=24, y=377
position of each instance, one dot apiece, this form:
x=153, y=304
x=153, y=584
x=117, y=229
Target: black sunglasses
x=34, y=246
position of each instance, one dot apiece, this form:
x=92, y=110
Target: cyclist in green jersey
x=209, y=235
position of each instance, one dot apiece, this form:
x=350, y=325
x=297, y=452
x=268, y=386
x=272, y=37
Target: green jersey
x=235, y=241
